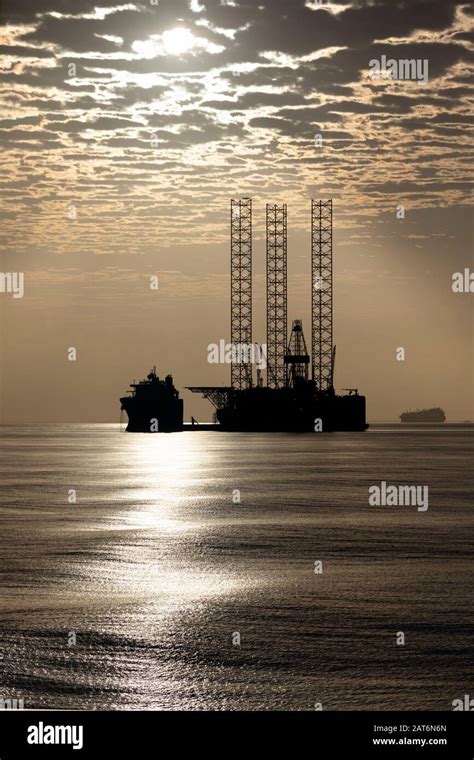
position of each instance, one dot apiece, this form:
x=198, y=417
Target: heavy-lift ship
x=153, y=406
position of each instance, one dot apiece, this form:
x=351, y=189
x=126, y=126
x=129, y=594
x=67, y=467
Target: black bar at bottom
x=150, y=734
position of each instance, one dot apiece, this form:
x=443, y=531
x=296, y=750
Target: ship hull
x=153, y=417
x=426, y=415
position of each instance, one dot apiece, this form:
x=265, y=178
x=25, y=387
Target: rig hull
x=288, y=410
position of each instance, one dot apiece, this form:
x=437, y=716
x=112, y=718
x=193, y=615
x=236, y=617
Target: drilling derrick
x=241, y=288
x=321, y=294
x=277, y=244
x=296, y=357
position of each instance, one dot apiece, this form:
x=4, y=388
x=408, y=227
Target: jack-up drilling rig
x=290, y=401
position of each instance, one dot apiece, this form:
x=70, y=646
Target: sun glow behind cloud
x=177, y=42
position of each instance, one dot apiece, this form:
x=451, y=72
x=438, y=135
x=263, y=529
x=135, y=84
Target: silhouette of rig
x=290, y=400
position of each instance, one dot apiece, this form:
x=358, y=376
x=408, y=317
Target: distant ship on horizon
x=424, y=415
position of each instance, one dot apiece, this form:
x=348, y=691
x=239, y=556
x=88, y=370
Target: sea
x=228, y=571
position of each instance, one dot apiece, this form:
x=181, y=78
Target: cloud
x=135, y=135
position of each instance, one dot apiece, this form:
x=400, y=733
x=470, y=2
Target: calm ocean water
x=157, y=569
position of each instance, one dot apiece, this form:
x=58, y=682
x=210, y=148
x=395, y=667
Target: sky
x=127, y=127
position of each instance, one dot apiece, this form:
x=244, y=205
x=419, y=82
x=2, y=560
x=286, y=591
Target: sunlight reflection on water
x=156, y=566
